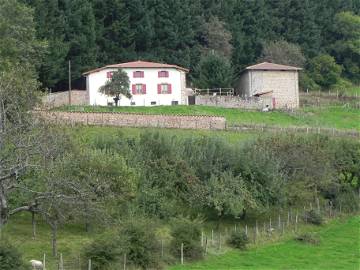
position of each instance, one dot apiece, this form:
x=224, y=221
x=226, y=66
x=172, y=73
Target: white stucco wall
x=176, y=79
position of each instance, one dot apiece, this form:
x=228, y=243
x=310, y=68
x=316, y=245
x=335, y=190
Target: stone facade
x=281, y=85
x=252, y=103
x=57, y=99
x=135, y=120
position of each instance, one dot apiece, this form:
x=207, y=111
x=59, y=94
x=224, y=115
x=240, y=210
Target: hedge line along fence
x=280, y=225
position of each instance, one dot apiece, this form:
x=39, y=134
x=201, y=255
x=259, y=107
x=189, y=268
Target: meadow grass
x=326, y=117
x=338, y=249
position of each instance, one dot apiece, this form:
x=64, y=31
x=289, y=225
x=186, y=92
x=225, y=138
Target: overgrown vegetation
x=238, y=239
x=10, y=258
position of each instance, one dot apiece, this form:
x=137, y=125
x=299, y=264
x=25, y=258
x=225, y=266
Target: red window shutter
x=144, y=89
x=142, y=74
x=134, y=89
x=167, y=74
x=170, y=88
x=159, y=74
x=159, y=88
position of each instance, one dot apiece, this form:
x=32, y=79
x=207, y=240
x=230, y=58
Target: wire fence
x=294, y=130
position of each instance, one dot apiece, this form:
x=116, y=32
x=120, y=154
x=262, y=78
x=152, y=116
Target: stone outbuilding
x=278, y=82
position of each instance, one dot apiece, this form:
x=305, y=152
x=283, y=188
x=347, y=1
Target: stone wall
x=57, y=99
x=252, y=103
x=135, y=120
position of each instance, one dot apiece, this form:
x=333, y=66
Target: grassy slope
x=339, y=249
x=331, y=117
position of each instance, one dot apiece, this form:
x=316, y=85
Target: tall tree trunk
x=54, y=238
x=3, y=206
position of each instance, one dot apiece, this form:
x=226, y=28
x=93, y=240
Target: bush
x=103, y=252
x=135, y=238
x=238, y=240
x=309, y=238
x=10, y=258
x=187, y=232
x=138, y=241
x=313, y=217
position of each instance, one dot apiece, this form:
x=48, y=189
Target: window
x=174, y=102
x=138, y=74
x=164, y=88
x=153, y=102
x=139, y=89
x=163, y=74
x=132, y=103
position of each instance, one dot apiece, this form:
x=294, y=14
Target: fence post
x=270, y=225
x=246, y=230
x=318, y=205
x=212, y=236
x=182, y=253
x=279, y=223
x=202, y=238
x=44, y=262
x=206, y=245
x=256, y=228
x=89, y=264
x=219, y=241
x=162, y=248
x=125, y=261
x=288, y=218
x=61, y=265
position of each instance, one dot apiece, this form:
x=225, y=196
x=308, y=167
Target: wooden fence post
x=318, y=204
x=61, y=265
x=162, y=248
x=246, y=229
x=125, y=261
x=212, y=237
x=182, y=253
x=89, y=264
x=202, y=238
x=44, y=262
x=279, y=223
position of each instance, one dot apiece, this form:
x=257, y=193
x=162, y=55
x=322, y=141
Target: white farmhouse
x=150, y=84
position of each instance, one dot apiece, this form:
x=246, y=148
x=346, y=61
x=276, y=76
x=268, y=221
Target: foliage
x=103, y=252
x=324, y=71
x=119, y=84
x=346, y=48
x=138, y=241
x=19, y=45
x=238, y=239
x=10, y=258
x=214, y=72
x=283, y=52
x=187, y=232
x=313, y=217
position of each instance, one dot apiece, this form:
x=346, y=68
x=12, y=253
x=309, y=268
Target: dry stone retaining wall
x=135, y=120
x=57, y=99
x=252, y=103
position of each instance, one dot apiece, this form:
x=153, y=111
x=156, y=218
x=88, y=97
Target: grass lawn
x=330, y=117
x=338, y=249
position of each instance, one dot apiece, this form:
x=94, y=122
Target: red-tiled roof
x=137, y=64
x=271, y=66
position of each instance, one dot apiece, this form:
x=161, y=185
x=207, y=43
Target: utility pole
x=69, y=82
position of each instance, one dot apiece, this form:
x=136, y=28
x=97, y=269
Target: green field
x=338, y=249
x=326, y=117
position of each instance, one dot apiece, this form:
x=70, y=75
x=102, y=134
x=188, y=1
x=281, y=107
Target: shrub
x=10, y=258
x=313, y=217
x=238, y=240
x=103, y=252
x=187, y=232
x=138, y=241
x=309, y=238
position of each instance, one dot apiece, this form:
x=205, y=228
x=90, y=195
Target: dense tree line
x=93, y=33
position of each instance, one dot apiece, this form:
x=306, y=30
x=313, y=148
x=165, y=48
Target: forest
x=317, y=35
